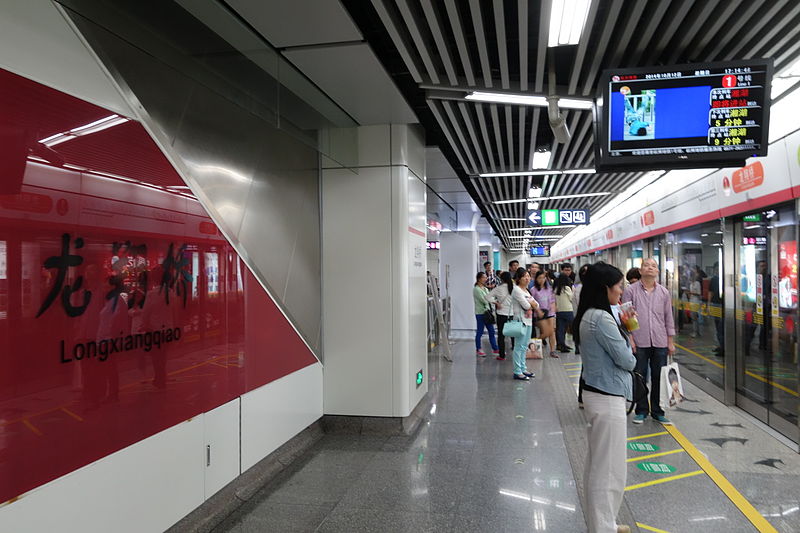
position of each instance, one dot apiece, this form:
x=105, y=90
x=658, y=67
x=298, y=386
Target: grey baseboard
x=377, y=425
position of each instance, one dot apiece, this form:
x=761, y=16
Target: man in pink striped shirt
x=653, y=339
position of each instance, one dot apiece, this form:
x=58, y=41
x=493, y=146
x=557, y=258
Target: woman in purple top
x=543, y=293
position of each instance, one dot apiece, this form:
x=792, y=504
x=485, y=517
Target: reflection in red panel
x=121, y=313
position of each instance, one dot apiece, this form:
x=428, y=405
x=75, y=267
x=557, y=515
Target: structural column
x=374, y=276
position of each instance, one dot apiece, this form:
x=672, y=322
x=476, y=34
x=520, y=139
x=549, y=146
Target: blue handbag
x=513, y=328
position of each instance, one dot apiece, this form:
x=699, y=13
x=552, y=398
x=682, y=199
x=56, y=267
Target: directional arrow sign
x=534, y=218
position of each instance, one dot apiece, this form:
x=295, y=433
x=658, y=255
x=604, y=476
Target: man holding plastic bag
x=653, y=338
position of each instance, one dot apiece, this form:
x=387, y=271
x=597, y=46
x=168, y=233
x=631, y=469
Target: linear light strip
x=538, y=172
x=526, y=99
x=565, y=197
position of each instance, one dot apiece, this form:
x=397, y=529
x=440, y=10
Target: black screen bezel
x=603, y=162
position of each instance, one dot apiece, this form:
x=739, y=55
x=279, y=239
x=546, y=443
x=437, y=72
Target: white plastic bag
x=671, y=386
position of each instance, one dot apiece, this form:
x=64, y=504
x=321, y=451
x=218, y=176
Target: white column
x=374, y=276
x=459, y=252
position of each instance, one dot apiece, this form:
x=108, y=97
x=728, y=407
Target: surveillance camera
x=560, y=130
x=557, y=122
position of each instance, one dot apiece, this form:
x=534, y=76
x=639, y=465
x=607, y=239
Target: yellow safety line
x=642, y=457
x=704, y=358
x=665, y=480
x=648, y=435
x=33, y=428
x=573, y=364
x=730, y=491
x=73, y=415
x=650, y=528
x=748, y=372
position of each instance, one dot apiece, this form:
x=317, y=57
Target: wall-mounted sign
x=540, y=251
x=756, y=217
x=758, y=241
x=433, y=245
x=558, y=217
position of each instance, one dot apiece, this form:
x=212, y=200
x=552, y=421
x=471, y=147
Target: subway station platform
x=494, y=454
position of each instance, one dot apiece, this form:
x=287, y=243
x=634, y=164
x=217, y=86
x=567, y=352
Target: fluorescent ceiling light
x=538, y=172
x=502, y=98
x=512, y=219
x=541, y=158
x=567, y=19
x=564, y=197
x=572, y=103
x=535, y=192
x=528, y=99
x=545, y=227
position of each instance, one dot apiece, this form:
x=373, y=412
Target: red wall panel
x=122, y=309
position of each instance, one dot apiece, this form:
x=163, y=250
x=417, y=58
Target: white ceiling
x=287, y=23
x=351, y=75
x=321, y=40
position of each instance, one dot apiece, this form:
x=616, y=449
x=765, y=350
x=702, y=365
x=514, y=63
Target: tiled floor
x=491, y=456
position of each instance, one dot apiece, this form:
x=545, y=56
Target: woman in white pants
x=607, y=362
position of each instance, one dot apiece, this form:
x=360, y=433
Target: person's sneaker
x=663, y=419
x=480, y=353
x=500, y=358
x=495, y=352
x=639, y=419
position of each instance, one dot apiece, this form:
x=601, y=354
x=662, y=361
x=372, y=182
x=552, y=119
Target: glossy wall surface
x=243, y=140
x=123, y=311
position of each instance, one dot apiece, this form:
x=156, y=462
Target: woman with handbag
x=500, y=296
x=483, y=314
x=523, y=306
x=542, y=292
x=607, y=362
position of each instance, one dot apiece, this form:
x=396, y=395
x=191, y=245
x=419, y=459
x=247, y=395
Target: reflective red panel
x=122, y=309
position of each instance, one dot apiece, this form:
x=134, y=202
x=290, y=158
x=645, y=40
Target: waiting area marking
x=664, y=480
x=659, y=454
x=650, y=528
x=637, y=437
x=716, y=476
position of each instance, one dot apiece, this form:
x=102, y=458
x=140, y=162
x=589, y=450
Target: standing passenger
x=653, y=339
x=564, y=315
x=480, y=297
x=607, y=362
x=501, y=297
x=543, y=293
x=523, y=306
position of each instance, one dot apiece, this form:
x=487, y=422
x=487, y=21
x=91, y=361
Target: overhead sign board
x=558, y=217
x=540, y=251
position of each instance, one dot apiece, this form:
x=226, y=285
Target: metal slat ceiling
x=433, y=47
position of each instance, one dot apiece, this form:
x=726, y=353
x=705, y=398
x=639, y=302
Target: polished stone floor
x=492, y=456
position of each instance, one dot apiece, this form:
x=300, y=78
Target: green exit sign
x=752, y=218
x=549, y=217
x=420, y=378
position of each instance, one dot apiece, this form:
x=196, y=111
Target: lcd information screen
x=540, y=251
x=684, y=116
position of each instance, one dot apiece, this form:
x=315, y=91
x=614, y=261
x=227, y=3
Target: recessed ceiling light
x=567, y=19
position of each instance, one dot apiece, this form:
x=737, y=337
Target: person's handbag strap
x=640, y=390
